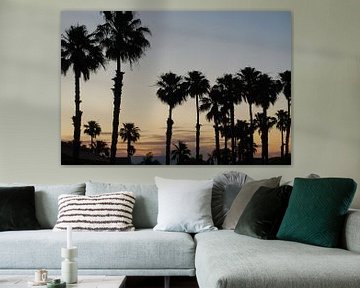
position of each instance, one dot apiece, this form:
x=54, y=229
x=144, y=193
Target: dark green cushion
x=17, y=208
x=264, y=213
x=316, y=211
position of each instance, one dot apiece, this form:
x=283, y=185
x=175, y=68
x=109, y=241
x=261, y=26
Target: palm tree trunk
x=232, y=134
x=251, y=130
x=288, y=132
x=282, y=143
x=197, y=130
x=170, y=122
x=77, y=118
x=217, y=142
x=128, y=150
x=265, y=139
x=116, y=114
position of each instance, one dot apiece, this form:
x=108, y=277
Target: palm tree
x=181, y=153
x=242, y=134
x=80, y=50
x=124, y=40
x=93, y=129
x=231, y=87
x=197, y=87
x=172, y=91
x=149, y=159
x=250, y=78
x=285, y=79
x=267, y=95
x=282, y=124
x=211, y=104
x=130, y=133
x=264, y=123
x=102, y=149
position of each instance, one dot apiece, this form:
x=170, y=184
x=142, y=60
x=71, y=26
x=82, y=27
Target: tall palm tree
x=124, y=40
x=93, y=129
x=242, y=134
x=250, y=79
x=264, y=123
x=102, y=149
x=285, y=79
x=181, y=153
x=266, y=96
x=79, y=49
x=130, y=133
x=282, y=124
x=197, y=87
x=212, y=104
x=172, y=91
x=231, y=88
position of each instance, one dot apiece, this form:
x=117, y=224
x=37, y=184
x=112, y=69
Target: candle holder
x=69, y=265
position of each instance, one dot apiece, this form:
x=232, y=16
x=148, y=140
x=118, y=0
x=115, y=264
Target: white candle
x=69, y=237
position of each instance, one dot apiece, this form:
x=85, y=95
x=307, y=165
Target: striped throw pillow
x=105, y=212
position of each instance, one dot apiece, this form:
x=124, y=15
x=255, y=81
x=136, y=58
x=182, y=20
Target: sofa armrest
x=351, y=232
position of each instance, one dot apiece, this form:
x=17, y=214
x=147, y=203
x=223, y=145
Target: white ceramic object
x=69, y=270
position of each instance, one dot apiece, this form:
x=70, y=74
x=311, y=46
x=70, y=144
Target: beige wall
x=326, y=77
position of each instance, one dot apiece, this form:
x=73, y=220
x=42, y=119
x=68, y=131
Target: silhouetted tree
x=102, y=149
x=124, y=40
x=211, y=104
x=130, y=133
x=245, y=148
x=149, y=160
x=250, y=80
x=93, y=129
x=230, y=87
x=197, y=87
x=285, y=79
x=181, y=153
x=282, y=124
x=172, y=91
x=264, y=123
x=267, y=95
x=80, y=50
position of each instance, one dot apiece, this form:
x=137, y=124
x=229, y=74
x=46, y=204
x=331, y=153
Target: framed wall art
x=176, y=87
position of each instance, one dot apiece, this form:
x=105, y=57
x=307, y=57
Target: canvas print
x=176, y=87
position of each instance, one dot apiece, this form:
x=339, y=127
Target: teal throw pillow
x=316, y=211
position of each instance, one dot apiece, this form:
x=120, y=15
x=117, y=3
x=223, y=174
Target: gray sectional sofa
x=219, y=259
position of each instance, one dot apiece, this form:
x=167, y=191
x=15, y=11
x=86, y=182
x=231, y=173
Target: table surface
x=84, y=281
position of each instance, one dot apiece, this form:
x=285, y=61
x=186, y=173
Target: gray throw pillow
x=184, y=205
x=242, y=199
x=226, y=187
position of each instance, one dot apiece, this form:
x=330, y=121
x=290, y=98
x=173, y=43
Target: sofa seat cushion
x=226, y=259
x=142, y=249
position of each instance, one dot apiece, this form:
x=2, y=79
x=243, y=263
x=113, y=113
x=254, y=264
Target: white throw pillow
x=105, y=212
x=184, y=205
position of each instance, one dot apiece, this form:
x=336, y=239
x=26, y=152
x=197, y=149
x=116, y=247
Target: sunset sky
x=214, y=43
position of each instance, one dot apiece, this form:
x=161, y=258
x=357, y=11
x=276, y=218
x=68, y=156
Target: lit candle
x=69, y=239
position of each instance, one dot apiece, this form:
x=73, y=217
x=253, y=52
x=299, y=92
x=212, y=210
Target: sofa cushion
x=225, y=189
x=243, y=198
x=146, y=205
x=138, y=250
x=317, y=209
x=184, y=205
x=263, y=214
x=17, y=208
x=225, y=259
x=46, y=200
x=105, y=212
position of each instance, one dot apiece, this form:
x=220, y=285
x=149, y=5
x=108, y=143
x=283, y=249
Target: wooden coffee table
x=83, y=282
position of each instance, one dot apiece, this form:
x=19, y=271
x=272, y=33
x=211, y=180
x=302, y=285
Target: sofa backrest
x=146, y=203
